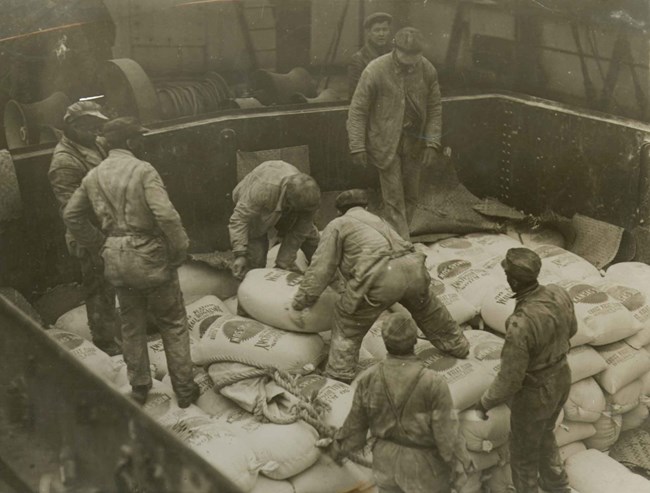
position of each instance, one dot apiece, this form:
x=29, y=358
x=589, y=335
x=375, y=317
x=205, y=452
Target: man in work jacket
x=380, y=269
x=274, y=198
x=142, y=242
x=377, y=30
x=534, y=376
x=74, y=156
x=408, y=410
x=394, y=122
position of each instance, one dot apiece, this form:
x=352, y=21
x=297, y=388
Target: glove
x=360, y=159
x=430, y=156
x=240, y=267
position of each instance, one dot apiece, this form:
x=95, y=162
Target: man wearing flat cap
x=534, y=377
x=409, y=411
x=379, y=269
x=377, y=31
x=142, y=242
x=75, y=155
x=395, y=124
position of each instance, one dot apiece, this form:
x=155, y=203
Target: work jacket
x=359, y=244
x=70, y=163
x=376, y=116
x=359, y=61
x=537, y=340
x=259, y=200
x=142, y=237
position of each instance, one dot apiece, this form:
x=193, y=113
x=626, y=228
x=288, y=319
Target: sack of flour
x=486, y=460
x=497, y=306
x=565, y=264
x=484, y=435
x=625, y=399
x=334, y=395
x=76, y=322
x=635, y=417
x=471, y=282
x=266, y=295
x=86, y=353
x=272, y=255
x=608, y=429
x=592, y=471
x=584, y=362
x=198, y=279
x=120, y=373
x=624, y=365
x=573, y=431
x=202, y=313
x=586, y=402
x=162, y=406
x=494, y=243
x=266, y=485
x=240, y=339
x=570, y=449
x=486, y=348
x=457, y=248
x=633, y=274
x=325, y=476
x=373, y=342
x=459, y=309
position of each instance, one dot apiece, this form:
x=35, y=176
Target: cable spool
x=191, y=97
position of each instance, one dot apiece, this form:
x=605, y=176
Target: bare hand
x=240, y=267
x=360, y=159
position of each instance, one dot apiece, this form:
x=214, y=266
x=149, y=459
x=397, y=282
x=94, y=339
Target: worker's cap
x=409, y=40
x=303, y=193
x=522, y=264
x=376, y=18
x=399, y=333
x=123, y=128
x=351, y=198
x=83, y=108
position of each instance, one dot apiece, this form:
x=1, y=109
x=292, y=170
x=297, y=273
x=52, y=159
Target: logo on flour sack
x=455, y=243
x=436, y=361
x=546, y=251
x=158, y=404
x=583, y=293
x=437, y=287
x=240, y=330
x=311, y=385
x=207, y=322
x=629, y=297
x=488, y=351
x=69, y=341
x=452, y=268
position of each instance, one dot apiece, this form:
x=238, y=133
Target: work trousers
x=400, y=469
x=165, y=304
x=404, y=280
x=533, y=449
x=258, y=249
x=400, y=186
x=100, y=302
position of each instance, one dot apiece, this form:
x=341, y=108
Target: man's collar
x=400, y=68
x=121, y=151
x=524, y=293
x=409, y=357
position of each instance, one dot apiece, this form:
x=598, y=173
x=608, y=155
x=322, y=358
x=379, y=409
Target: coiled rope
x=193, y=97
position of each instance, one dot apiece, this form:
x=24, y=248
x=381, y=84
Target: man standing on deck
x=75, y=155
x=534, y=376
x=394, y=123
x=142, y=242
x=377, y=30
x=380, y=269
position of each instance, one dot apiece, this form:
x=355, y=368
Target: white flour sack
x=625, y=399
x=486, y=348
x=266, y=485
x=586, y=402
x=637, y=304
x=76, y=322
x=633, y=274
x=121, y=377
x=635, y=418
x=266, y=295
x=485, y=460
x=571, y=449
x=162, y=406
x=459, y=309
x=327, y=477
x=85, y=352
x=202, y=313
x=565, y=264
x=458, y=248
x=198, y=279
x=645, y=382
x=592, y=471
x=584, y=361
x=242, y=340
x=472, y=283
x=484, y=435
x=624, y=365
x=573, y=431
x=301, y=260
x=497, y=305
x=373, y=342
x=335, y=395
x=496, y=244
x=467, y=378
x=608, y=429
x=602, y=318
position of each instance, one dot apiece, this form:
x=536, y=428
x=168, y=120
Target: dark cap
x=123, y=128
x=376, y=18
x=83, y=108
x=399, y=332
x=351, y=198
x=522, y=264
x=409, y=40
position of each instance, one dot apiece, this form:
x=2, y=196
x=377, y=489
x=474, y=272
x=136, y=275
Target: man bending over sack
x=534, y=377
x=273, y=198
x=142, y=242
x=408, y=409
x=380, y=269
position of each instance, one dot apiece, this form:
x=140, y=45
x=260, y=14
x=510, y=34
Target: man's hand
x=360, y=159
x=290, y=267
x=430, y=156
x=240, y=267
x=335, y=452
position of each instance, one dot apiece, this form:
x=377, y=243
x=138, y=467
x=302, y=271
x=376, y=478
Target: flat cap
x=376, y=18
x=522, y=264
x=351, y=198
x=123, y=128
x=83, y=108
x=399, y=332
x=409, y=40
